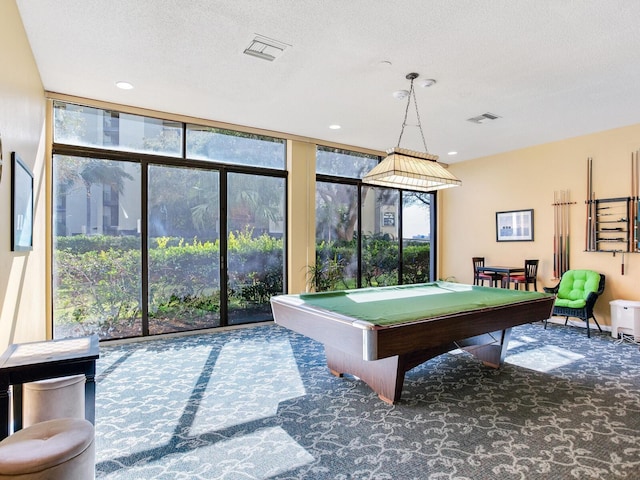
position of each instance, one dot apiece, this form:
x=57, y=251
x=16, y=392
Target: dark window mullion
x=359, y=230
x=432, y=240
x=144, y=245
x=224, y=273
x=400, y=239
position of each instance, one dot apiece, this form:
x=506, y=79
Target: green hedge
x=98, y=277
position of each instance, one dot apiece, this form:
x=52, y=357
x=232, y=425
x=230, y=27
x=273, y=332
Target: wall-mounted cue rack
x=613, y=223
x=613, y=230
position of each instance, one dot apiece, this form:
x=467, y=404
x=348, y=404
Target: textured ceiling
x=551, y=69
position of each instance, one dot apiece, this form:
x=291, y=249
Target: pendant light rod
x=412, y=94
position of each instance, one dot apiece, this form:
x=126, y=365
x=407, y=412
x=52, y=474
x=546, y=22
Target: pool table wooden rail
x=380, y=355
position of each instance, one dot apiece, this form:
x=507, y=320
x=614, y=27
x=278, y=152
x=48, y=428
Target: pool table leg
x=490, y=348
x=385, y=376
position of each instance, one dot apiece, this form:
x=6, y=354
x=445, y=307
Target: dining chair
x=480, y=277
x=528, y=277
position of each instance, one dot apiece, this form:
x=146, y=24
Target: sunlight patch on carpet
x=520, y=341
x=248, y=382
x=544, y=359
x=154, y=383
x=258, y=455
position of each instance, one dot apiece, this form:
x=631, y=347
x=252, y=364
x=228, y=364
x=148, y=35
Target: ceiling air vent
x=265, y=48
x=485, y=117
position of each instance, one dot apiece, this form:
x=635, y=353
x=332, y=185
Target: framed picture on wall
x=21, y=205
x=514, y=226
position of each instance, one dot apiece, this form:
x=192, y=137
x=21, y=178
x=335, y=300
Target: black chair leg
x=598, y=325
x=588, y=329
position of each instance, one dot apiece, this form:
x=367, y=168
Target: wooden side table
x=30, y=362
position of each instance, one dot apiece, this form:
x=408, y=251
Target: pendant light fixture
x=408, y=169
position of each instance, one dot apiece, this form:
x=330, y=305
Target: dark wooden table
x=416, y=323
x=31, y=362
x=506, y=271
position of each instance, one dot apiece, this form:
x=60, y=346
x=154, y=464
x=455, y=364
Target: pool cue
x=587, y=245
x=594, y=243
x=630, y=217
x=586, y=233
x=555, y=235
x=634, y=220
x=635, y=197
x=636, y=212
x=566, y=204
x=561, y=235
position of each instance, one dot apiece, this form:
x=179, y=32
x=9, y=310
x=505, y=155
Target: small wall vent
x=483, y=118
x=265, y=48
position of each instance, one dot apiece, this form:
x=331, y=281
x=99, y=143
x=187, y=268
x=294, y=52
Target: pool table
x=378, y=334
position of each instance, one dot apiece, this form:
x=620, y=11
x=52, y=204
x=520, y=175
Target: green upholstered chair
x=576, y=295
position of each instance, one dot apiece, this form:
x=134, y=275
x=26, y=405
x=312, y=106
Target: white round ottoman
x=61, y=449
x=61, y=397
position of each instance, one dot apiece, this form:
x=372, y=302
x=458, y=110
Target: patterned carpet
x=259, y=403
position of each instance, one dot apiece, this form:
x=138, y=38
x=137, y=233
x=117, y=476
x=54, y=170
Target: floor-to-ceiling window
x=418, y=226
x=183, y=248
x=255, y=251
x=365, y=235
x=161, y=226
x=97, y=255
x=252, y=217
x=380, y=236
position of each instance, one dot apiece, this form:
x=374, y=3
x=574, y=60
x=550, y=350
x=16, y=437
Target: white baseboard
x=579, y=323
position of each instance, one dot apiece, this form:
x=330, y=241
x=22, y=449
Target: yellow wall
x=22, y=120
x=526, y=179
x=301, y=214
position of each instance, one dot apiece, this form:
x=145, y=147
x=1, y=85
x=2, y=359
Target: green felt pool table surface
x=406, y=303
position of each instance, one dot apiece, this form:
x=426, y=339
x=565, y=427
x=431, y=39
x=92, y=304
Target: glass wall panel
x=98, y=128
x=341, y=163
x=336, y=237
x=101, y=211
x=184, y=249
x=380, y=252
x=416, y=237
x=238, y=148
x=255, y=245
x=96, y=247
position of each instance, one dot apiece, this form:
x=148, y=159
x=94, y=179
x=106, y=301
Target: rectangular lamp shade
x=411, y=170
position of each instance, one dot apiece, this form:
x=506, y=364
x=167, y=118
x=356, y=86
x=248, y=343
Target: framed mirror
x=21, y=205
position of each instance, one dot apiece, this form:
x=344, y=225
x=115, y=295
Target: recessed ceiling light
x=452, y=153
x=335, y=127
x=124, y=85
